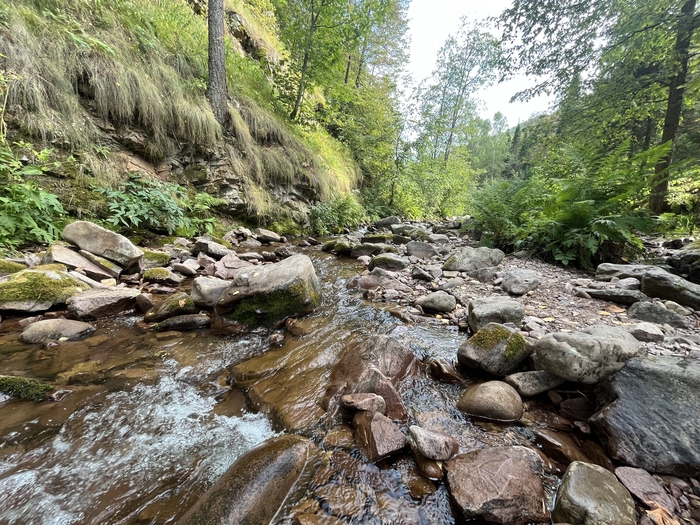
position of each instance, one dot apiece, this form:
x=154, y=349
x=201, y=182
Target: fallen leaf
x=549, y=319
x=603, y=313
x=543, y=306
x=613, y=309
x=660, y=514
x=182, y=303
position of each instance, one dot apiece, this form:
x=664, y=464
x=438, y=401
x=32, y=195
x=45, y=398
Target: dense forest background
x=109, y=111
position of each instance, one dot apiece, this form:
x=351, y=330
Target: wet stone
x=377, y=436
x=495, y=349
x=102, y=302
x=368, y=402
x=493, y=400
x=657, y=313
x=176, y=304
x=532, y=383
x=644, y=487
x=56, y=329
x=183, y=322
x=433, y=445
x=342, y=500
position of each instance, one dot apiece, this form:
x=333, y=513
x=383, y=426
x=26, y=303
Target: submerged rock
x=499, y=485
x=183, y=322
x=380, y=278
x=100, y=241
x=649, y=413
x=23, y=388
x=592, y=495
x=432, y=444
x=176, y=304
x=271, y=293
x=102, y=302
x=587, y=357
x=38, y=290
x=253, y=489
x=56, y=329
x=495, y=349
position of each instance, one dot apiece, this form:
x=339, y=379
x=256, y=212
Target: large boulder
x=495, y=349
x=100, y=241
x=38, y=290
x=589, y=356
x=687, y=261
x=264, y=235
x=177, y=304
x=270, y=293
x=664, y=285
x=206, y=291
x=470, y=259
x=654, y=312
x=422, y=250
x=388, y=261
x=592, y=495
x=56, y=329
x=439, y=301
x=499, y=485
x=649, y=415
x=102, y=302
x=519, y=282
x=254, y=488
x=387, y=222
x=606, y=271
x=495, y=309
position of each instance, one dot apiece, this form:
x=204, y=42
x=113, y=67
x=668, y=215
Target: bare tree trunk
x=659, y=184
x=347, y=69
x=216, y=90
x=302, y=81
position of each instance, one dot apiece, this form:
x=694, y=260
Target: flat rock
x=189, y=267
x=519, y=282
x=380, y=278
x=103, y=242
x=616, y=295
x=496, y=309
x=268, y=294
x=421, y=275
x=268, y=236
x=589, y=356
x=499, y=485
x=56, y=329
x=211, y=248
x=469, y=259
x=646, y=332
x=654, y=312
x=422, y=250
x=253, y=489
x=664, y=285
x=206, y=291
x=592, y=495
x=377, y=435
x=439, y=301
x=606, y=271
x=432, y=444
x=388, y=261
x=438, y=238
x=74, y=261
x=495, y=349
x=102, y=302
x=532, y=383
x=645, y=488
x=494, y=400
x=387, y=222
x=649, y=413
x=183, y=322
x=366, y=401
x=177, y=304
x=364, y=249
x=38, y=290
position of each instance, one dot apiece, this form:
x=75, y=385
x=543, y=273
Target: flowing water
x=144, y=423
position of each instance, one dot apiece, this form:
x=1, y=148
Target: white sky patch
x=430, y=23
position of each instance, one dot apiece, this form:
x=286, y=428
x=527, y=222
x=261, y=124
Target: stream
x=146, y=422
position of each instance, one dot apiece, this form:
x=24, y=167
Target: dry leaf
x=542, y=306
x=660, y=514
x=549, y=319
x=182, y=303
x=613, y=309
x=603, y=313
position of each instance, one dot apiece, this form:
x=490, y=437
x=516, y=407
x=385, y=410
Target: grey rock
x=617, y=295
x=360, y=250
x=437, y=302
x=227, y=266
x=387, y=222
x=380, y=278
x=649, y=417
x=250, y=243
x=485, y=275
x=589, y=356
x=438, y=238
x=592, y=495
x=687, y=262
x=499, y=485
x=629, y=283
x=270, y=293
x=675, y=307
x=268, y=236
x=493, y=400
x=432, y=444
x=177, y=304
x=183, y=322
x=100, y=241
x=388, y=261
x=255, y=487
x=469, y=259
x=98, y=303
x=113, y=269
x=74, y=261
x=189, y=267
x=422, y=250
x=421, y=275
x=402, y=229
x=206, y=291
x=519, y=282
x=56, y=329
x=657, y=313
x=664, y=285
x=211, y=248
x=495, y=309
x=162, y=276
x=495, y=349
x=646, y=332
x=606, y=271
x=533, y=383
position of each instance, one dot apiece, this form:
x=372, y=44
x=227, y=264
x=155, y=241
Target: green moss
x=54, y=267
x=489, y=338
x=270, y=308
x=35, y=285
x=286, y=226
x=156, y=274
x=23, y=388
x=8, y=267
x=101, y=261
x=515, y=347
x=161, y=258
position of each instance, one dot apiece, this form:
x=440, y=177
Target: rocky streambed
x=395, y=375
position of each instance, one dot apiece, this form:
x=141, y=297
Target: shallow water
x=147, y=422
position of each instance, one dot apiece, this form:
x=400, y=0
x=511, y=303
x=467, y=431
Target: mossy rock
x=157, y=275
x=36, y=290
x=495, y=349
x=23, y=388
x=10, y=267
x=344, y=247
x=154, y=259
x=176, y=304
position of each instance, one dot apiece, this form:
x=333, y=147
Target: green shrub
x=343, y=211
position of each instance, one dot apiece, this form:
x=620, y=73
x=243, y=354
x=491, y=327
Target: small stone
x=368, y=402
x=533, y=383
x=439, y=301
x=55, y=330
x=377, y=436
x=646, y=332
x=432, y=444
x=493, y=400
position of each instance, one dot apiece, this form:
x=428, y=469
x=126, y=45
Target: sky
x=430, y=23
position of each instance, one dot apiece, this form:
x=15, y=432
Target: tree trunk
x=347, y=69
x=216, y=90
x=659, y=184
x=302, y=81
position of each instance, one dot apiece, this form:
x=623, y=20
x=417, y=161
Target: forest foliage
x=318, y=94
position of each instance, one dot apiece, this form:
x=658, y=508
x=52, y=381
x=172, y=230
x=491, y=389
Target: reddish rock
x=376, y=435
x=433, y=445
x=368, y=402
x=500, y=484
x=645, y=488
